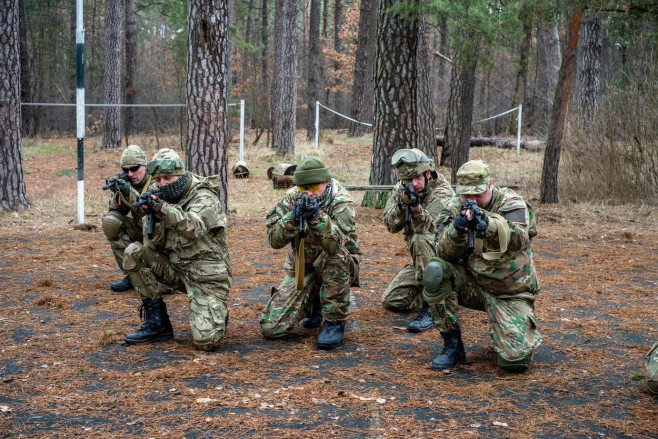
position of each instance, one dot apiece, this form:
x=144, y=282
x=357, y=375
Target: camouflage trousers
x=206, y=282
x=404, y=291
x=511, y=318
x=328, y=279
x=120, y=231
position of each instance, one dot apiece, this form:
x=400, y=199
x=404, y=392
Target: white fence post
x=518, y=130
x=241, y=129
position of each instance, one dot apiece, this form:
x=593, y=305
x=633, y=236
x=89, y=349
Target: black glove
x=296, y=212
x=461, y=222
x=409, y=196
x=311, y=208
x=155, y=206
x=124, y=187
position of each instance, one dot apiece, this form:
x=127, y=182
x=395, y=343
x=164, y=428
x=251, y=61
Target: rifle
x=142, y=200
x=414, y=199
x=113, y=182
x=477, y=219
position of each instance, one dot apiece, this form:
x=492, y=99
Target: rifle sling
x=503, y=238
x=299, y=262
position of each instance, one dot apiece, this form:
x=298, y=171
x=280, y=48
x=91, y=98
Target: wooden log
x=281, y=169
x=529, y=145
x=282, y=181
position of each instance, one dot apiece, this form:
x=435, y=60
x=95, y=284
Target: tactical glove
x=155, y=206
x=461, y=223
x=296, y=212
x=124, y=187
x=409, y=195
x=311, y=208
x=482, y=225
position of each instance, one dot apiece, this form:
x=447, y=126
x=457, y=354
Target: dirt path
x=65, y=371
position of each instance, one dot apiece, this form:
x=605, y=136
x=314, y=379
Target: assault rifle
x=477, y=220
x=113, y=182
x=144, y=199
x=414, y=199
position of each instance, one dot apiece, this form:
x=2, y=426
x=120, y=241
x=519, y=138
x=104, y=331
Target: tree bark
x=589, y=68
x=131, y=67
x=549, y=59
x=549, y=176
x=284, y=90
x=362, y=98
x=207, y=92
x=464, y=114
x=395, y=125
x=26, y=111
x=314, y=61
x=12, y=184
x=112, y=115
x=425, y=112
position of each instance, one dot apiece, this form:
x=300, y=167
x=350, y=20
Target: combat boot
x=452, y=353
x=331, y=335
x=123, y=285
x=156, y=326
x=315, y=319
x=423, y=320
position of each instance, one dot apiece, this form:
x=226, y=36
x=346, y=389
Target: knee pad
x=111, y=223
x=131, y=255
x=436, y=286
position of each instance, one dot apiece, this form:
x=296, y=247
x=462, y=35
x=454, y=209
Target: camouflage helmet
x=133, y=155
x=473, y=178
x=165, y=162
x=409, y=163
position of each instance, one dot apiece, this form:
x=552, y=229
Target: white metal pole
x=317, y=125
x=518, y=130
x=80, y=104
x=241, y=129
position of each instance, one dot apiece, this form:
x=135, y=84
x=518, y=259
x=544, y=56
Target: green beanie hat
x=311, y=170
x=133, y=155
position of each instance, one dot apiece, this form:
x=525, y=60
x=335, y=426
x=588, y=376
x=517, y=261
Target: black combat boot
x=315, y=319
x=123, y=285
x=156, y=326
x=331, y=335
x=423, y=320
x=452, y=353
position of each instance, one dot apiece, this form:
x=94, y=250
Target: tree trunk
x=338, y=48
x=362, y=104
x=264, y=100
x=314, y=61
x=26, y=110
x=521, y=86
x=549, y=180
x=131, y=67
x=112, y=115
x=451, y=130
x=12, y=184
x=464, y=114
x=284, y=90
x=589, y=68
x=425, y=113
x=549, y=59
x=207, y=92
x=395, y=97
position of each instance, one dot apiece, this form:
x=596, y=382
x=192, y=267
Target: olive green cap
x=473, y=178
x=311, y=170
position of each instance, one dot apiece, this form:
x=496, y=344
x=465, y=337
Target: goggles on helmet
x=408, y=156
x=164, y=166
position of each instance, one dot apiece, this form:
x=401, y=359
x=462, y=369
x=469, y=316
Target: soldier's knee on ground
x=131, y=256
x=111, y=224
x=436, y=278
x=520, y=364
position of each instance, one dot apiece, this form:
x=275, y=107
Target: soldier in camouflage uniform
x=413, y=207
x=120, y=224
x=651, y=362
x=317, y=280
x=496, y=276
x=187, y=252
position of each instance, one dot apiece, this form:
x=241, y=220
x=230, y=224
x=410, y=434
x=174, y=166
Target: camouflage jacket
x=192, y=229
x=514, y=271
x=439, y=192
x=335, y=228
x=124, y=205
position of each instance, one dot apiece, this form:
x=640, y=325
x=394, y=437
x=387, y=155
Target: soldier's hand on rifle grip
x=124, y=187
x=296, y=212
x=461, y=223
x=409, y=196
x=154, y=204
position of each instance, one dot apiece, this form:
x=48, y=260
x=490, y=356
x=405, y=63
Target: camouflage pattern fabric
x=651, y=363
x=404, y=291
x=332, y=253
x=189, y=252
x=505, y=288
x=125, y=225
